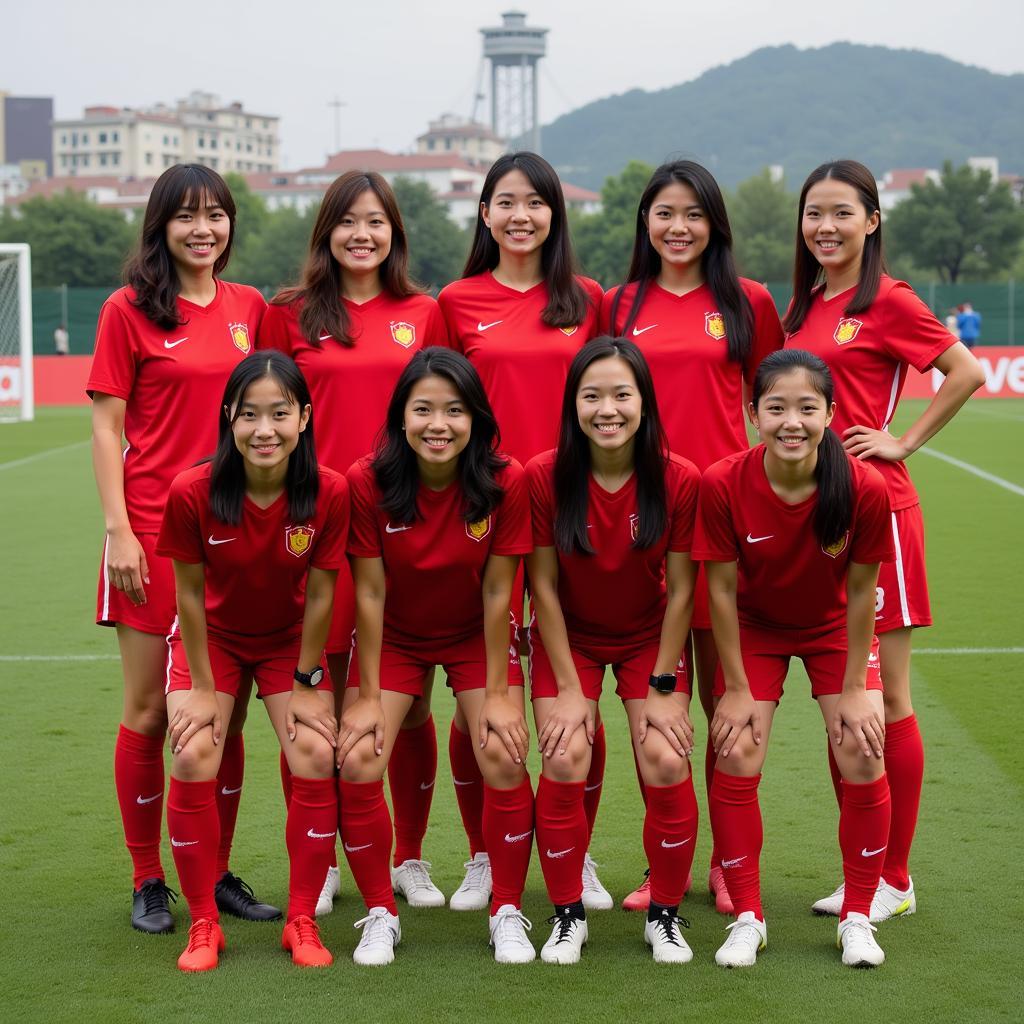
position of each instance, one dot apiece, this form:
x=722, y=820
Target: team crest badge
x=569, y=331
x=478, y=530
x=297, y=539
x=836, y=549
x=240, y=336
x=846, y=330
x=714, y=325
x=403, y=333
x=634, y=525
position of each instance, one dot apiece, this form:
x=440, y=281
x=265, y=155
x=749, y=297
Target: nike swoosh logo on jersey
x=228, y=792
x=486, y=327
x=516, y=839
x=214, y=543
x=871, y=853
x=637, y=331
x=757, y=540
x=560, y=853
x=326, y=337
x=356, y=849
x=590, y=789
x=397, y=529
x=175, y=842
x=734, y=863
x=671, y=846
x=174, y=344
x=140, y=799
x=459, y=782
x=427, y=785
x=322, y=835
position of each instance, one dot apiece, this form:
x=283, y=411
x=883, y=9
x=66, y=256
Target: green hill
x=782, y=105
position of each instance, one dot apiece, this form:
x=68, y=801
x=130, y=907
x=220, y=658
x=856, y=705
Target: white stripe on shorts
x=174, y=627
x=105, y=616
x=904, y=607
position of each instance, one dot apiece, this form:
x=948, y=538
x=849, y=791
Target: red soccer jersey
x=616, y=595
x=700, y=390
x=522, y=362
x=869, y=355
x=435, y=564
x=788, y=582
x=351, y=385
x=256, y=571
x=172, y=382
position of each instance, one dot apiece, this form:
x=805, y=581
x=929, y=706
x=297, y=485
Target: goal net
x=16, y=397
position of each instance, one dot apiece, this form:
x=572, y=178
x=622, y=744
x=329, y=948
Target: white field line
x=968, y=468
x=42, y=455
x=969, y=650
x=986, y=410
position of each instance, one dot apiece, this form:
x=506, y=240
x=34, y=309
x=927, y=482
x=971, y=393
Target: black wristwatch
x=310, y=679
x=665, y=683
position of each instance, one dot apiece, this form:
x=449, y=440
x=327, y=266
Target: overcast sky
x=397, y=64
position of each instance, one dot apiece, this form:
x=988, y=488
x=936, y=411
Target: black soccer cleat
x=151, y=910
x=234, y=897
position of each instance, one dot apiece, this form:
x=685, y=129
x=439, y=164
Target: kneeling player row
x=792, y=533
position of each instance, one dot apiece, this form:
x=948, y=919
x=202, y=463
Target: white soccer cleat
x=329, y=893
x=857, y=941
x=381, y=933
x=831, y=905
x=666, y=942
x=508, y=936
x=475, y=891
x=747, y=937
x=595, y=895
x=568, y=937
x=889, y=902
x=411, y=879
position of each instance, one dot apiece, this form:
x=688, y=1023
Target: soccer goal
x=16, y=394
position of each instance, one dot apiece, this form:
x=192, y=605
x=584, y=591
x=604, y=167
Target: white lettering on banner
x=1000, y=374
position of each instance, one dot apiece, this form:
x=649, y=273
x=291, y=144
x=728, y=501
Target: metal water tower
x=514, y=49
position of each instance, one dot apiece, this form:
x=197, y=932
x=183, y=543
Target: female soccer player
x=612, y=584
x=869, y=329
x=256, y=537
x=791, y=533
x=703, y=330
x=439, y=522
x=352, y=323
x=519, y=314
x=165, y=345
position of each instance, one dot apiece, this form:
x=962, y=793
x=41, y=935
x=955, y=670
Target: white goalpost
x=16, y=391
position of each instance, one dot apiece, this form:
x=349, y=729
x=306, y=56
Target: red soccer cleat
x=717, y=888
x=205, y=943
x=640, y=897
x=301, y=937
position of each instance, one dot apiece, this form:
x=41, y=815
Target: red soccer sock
x=286, y=778
x=595, y=779
x=837, y=775
x=508, y=834
x=366, y=834
x=139, y=780
x=562, y=837
x=670, y=834
x=863, y=832
x=310, y=832
x=229, y=795
x=904, y=767
x=469, y=787
x=736, y=821
x=411, y=773
x=194, y=825
x=710, y=757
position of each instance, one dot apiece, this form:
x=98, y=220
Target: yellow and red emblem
x=403, y=332
x=714, y=325
x=478, y=530
x=634, y=525
x=297, y=539
x=847, y=329
x=836, y=549
x=240, y=336
x=569, y=331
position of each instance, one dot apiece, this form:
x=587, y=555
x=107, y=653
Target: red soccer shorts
x=270, y=661
x=824, y=658
x=157, y=614
x=901, y=598
x=405, y=668
x=632, y=667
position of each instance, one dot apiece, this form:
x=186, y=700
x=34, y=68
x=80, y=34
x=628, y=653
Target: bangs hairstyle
x=717, y=261
x=319, y=289
x=807, y=272
x=572, y=460
x=150, y=271
x=227, y=473
x=394, y=464
x=567, y=301
x=832, y=473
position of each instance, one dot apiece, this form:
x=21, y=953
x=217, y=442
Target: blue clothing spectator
x=968, y=325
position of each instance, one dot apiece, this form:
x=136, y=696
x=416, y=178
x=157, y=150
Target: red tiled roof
x=900, y=179
x=379, y=160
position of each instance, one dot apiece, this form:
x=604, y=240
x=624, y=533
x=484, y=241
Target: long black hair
x=716, y=262
x=572, y=460
x=394, y=463
x=832, y=472
x=567, y=301
x=807, y=272
x=150, y=270
x=227, y=474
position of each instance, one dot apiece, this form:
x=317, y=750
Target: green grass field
x=69, y=954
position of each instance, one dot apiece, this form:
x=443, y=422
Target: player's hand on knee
x=667, y=712
x=127, y=568
x=364, y=716
x=569, y=711
x=199, y=710
x=501, y=715
x=857, y=713
x=309, y=707
x=736, y=710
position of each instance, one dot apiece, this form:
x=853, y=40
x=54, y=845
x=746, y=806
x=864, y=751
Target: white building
x=450, y=135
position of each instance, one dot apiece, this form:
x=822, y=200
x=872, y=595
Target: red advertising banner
x=1004, y=375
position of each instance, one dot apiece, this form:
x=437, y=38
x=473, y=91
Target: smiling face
x=834, y=226
x=361, y=241
x=437, y=426
x=518, y=218
x=266, y=424
x=791, y=417
x=196, y=238
x=608, y=405
x=678, y=226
